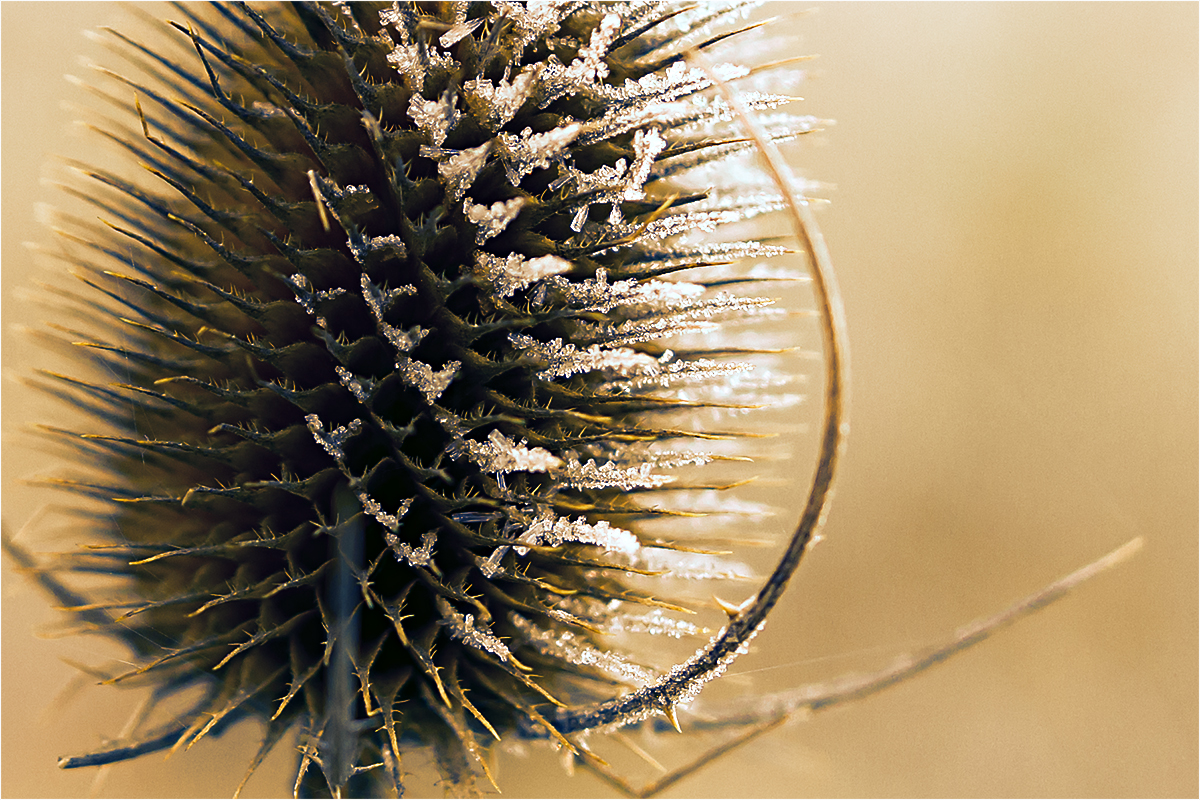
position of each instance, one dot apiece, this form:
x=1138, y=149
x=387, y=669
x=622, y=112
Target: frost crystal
x=500, y=454
x=698, y=370
x=587, y=68
x=409, y=55
x=695, y=317
x=379, y=300
x=619, y=182
x=490, y=567
x=529, y=151
x=597, y=294
x=417, y=374
x=552, y=530
x=492, y=219
x=458, y=32
x=591, y=475
x=332, y=442
x=459, y=170
x=533, y=19
x=419, y=557
x=435, y=118
x=655, y=622
x=690, y=566
x=508, y=275
x=389, y=521
x=575, y=649
x=496, y=104
x=425, y=379
x=561, y=360
x=463, y=628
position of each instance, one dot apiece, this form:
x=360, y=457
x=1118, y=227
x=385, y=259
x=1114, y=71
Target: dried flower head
x=425, y=329
x=416, y=334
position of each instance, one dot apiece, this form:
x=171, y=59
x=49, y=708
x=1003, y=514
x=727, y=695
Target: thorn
x=145, y=126
x=733, y=611
x=673, y=718
x=312, y=181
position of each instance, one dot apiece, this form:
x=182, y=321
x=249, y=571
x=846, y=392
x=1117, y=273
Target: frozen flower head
x=437, y=357
x=440, y=341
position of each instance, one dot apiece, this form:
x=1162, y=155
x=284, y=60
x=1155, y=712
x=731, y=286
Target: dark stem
x=341, y=737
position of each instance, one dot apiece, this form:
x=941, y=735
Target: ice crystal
x=389, y=521
x=676, y=372
x=529, y=151
x=690, y=566
x=551, y=530
x=464, y=628
x=417, y=557
x=459, y=172
x=332, y=441
x=655, y=623
x=422, y=377
x=492, y=219
x=696, y=316
x=434, y=118
x=508, y=275
x=573, y=648
x=458, y=32
x=591, y=475
x=587, y=68
x=496, y=103
x=616, y=183
x=559, y=359
x=500, y=454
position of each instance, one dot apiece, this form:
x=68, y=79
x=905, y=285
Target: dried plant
x=432, y=317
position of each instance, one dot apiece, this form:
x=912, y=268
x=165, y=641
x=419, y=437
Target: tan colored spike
x=731, y=610
x=673, y=718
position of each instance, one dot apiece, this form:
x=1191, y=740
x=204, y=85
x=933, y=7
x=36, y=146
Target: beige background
x=1015, y=231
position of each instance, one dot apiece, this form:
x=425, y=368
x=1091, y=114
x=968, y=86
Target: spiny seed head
x=414, y=337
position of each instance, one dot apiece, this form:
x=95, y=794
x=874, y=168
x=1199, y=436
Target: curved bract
x=417, y=336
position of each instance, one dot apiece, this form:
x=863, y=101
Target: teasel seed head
x=416, y=336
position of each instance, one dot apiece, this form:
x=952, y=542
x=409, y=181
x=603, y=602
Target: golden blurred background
x=1015, y=232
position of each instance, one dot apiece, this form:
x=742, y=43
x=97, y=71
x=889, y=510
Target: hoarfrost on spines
x=459, y=170
x=655, y=622
x=425, y=379
x=435, y=118
x=511, y=274
x=552, y=530
x=495, y=103
x=491, y=219
x=523, y=154
x=417, y=557
x=597, y=294
x=464, y=628
x=390, y=522
x=499, y=454
x=689, y=566
x=584, y=71
x=701, y=370
x=592, y=475
x=689, y=319
x=575, y=649
x=333, y=440
x=560, y=359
